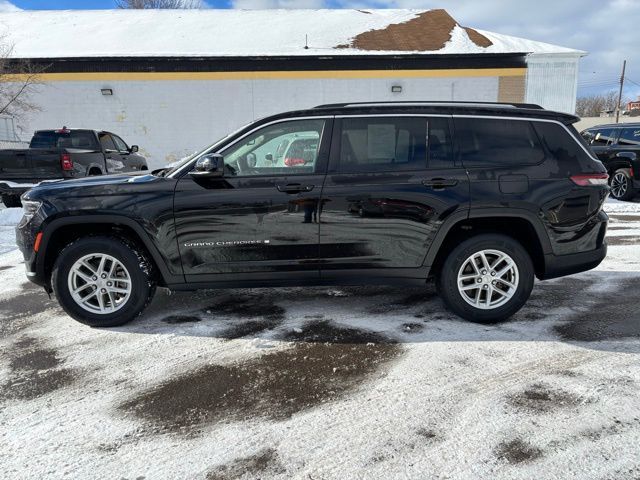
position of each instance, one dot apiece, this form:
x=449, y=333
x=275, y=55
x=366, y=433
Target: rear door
x=392, y=182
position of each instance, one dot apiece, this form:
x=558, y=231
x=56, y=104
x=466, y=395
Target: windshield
x=182, y=162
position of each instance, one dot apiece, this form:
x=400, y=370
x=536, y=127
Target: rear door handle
x=440, y=182
x=294, y=188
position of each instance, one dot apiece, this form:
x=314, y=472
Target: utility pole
x=624, y=66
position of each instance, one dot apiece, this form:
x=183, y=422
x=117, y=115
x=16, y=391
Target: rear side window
x=394, y=144
x=73, y=139
x=562, y=145
x=485, y=142
x=630, y=136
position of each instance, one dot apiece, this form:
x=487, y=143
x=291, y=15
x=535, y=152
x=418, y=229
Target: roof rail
x=432, y=104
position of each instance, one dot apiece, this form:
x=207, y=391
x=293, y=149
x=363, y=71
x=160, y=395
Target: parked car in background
x=480, y=197
x=618, y=147
x=61, y=155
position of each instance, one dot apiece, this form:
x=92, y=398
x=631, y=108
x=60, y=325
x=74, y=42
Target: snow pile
x=217, y=32
x=616, y=206
x=10, y=216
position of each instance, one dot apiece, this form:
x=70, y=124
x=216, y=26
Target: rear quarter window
x=495, y=142
x=563, y=145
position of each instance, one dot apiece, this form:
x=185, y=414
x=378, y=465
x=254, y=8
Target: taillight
x=292, y=162
x=65, y=162
x=587, y=179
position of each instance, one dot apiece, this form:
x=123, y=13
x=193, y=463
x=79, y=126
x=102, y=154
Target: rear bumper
x=561, y=265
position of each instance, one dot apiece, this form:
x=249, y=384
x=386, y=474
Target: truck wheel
x=103, y=281
x=487, y=278
x=621, y=185
x=11, y=201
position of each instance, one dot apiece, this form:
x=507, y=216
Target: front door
x=113, y=158
x=261, y=217
x=391, y=183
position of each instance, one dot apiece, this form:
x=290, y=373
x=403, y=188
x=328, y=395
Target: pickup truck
x=61, y=155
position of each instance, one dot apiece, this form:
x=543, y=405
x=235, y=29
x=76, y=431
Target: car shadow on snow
x=594, y=309
x=316, y=345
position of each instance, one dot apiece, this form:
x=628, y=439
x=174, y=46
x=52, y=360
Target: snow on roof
x=213, y=33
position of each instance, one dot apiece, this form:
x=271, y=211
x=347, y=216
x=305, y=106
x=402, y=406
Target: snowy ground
x=328, y=382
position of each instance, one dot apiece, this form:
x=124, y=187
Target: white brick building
x=181, y=79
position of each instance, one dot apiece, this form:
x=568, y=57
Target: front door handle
x=440, y=182
x=294, y=188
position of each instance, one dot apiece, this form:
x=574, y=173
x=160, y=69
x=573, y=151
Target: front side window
x=630, y=136
x=283, y=148
x=122, y=147
x=383, y=144
x=603, y=137
x=485, y=141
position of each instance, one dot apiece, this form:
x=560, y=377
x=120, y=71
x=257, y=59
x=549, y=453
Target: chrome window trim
x=415, y=115
x=373, y=115
x=212, y=148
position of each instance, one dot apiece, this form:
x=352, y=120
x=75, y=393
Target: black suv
x=481, y=197
x=618, y=147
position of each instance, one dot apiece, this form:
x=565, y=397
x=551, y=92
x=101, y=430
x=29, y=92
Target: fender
x=49, y=228
x=94, y=165
x=462, y=215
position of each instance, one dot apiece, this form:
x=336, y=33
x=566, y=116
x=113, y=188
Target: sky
x=609, y=30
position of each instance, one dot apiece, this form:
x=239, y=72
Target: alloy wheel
x=99, y=283
x=619, y=185
x=488, y=279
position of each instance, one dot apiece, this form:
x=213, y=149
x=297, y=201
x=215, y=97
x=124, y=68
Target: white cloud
x=7, y=6
x=268, y=4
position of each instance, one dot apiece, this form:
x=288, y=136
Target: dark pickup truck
x=61, y=155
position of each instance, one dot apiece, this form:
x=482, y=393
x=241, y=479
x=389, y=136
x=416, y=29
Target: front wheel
x=486, y=278
x=622, y=185
x=103, y=281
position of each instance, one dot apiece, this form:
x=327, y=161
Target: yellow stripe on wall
x=273, y=75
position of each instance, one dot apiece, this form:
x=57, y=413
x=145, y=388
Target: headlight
x=30, y=207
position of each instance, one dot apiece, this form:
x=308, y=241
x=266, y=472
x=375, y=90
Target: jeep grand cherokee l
x=481, y=197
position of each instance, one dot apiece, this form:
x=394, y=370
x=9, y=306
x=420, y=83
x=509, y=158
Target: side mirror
x=133, y=149
x=269, y=157
x=208, y=166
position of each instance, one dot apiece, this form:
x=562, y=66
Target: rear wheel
x=11, y=201
x=486, y=278
x=622, y=185
x=103, y=281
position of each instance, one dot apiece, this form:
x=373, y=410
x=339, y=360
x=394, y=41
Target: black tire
x=447, y=281
x=94, y=172
x=621, y=185
x=11, y=201
x=140, y=270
